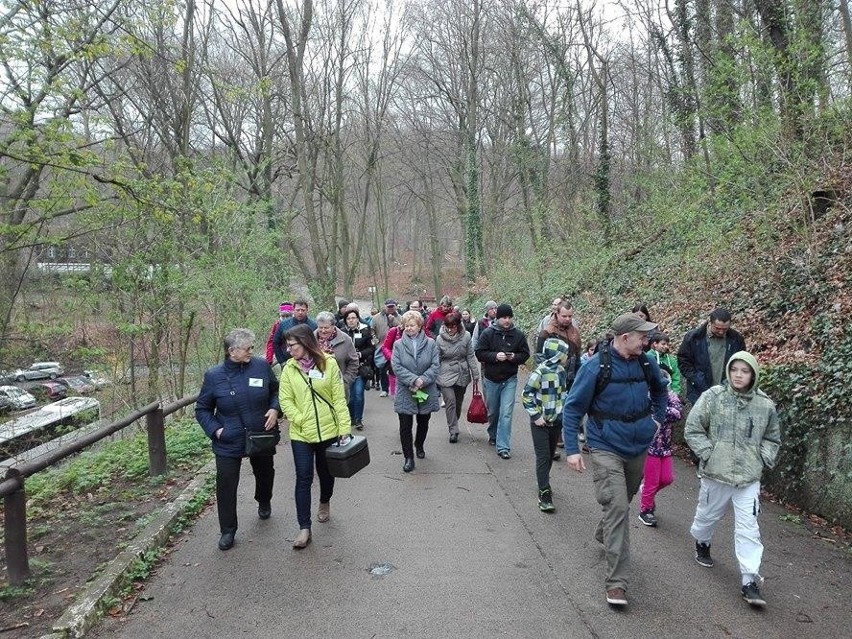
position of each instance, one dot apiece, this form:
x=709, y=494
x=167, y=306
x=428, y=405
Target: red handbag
x=477, y=412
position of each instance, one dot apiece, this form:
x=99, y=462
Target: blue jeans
x=356, y=400
x=304, y=455
x=500, y=400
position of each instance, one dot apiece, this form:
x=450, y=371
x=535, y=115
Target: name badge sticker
x=356, y=336
x=315, y=374
x=257, y=382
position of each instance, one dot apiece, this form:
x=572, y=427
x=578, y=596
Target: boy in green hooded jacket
x=733, y=429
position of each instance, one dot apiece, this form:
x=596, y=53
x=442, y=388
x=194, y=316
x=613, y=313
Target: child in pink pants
x=659, y=468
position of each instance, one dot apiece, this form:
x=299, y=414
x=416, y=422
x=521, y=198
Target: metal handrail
x=12, y=487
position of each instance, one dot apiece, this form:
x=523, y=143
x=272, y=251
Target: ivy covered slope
x=785, y=273
x=770, y=238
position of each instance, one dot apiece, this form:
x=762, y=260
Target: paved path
x=470, y=555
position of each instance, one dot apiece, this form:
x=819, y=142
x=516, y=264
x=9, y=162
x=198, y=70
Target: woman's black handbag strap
x=316, y=394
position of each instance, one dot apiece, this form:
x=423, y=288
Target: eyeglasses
x=292, y=344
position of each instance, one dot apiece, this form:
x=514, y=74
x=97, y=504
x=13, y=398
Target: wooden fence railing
x=13, y=491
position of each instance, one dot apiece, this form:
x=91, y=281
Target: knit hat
x=286, y=307
x=490, y=304
x=504, y=310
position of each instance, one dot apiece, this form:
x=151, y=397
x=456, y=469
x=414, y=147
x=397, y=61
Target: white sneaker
x=383, y=394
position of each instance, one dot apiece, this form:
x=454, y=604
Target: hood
x=748, y=358
x=553, y=350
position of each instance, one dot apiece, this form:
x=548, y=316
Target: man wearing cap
x=382, y=323
x=501, y=348
x=285, y=311
x=300, y=316
x=485, y=321
x=624, y=415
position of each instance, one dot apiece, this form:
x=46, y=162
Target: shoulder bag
x=262, y=442
x=342, y=459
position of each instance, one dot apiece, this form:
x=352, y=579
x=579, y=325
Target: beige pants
x=616, y=481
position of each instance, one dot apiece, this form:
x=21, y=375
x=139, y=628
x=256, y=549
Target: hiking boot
x=702, y=555
x=647, y=517
x=616, y=597
x=751, y=593
x=545, y=501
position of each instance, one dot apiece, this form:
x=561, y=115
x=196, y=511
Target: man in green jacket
x=733, y=429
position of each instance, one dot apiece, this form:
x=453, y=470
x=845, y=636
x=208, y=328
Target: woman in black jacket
x=239, y=395
x=362, y=337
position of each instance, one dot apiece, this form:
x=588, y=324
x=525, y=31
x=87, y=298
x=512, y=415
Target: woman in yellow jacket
x=314, y=400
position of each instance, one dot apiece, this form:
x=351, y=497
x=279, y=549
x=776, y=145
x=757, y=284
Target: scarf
x=325, y=343
x=306, y=363
x=416, y=342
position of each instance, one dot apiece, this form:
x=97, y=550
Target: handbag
x=257, y=442
x=477, y=412
x=342, y=459
x=262, y=442
x=379, y=357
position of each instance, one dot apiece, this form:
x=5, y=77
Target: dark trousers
x=384, y=382
x=228, y=479
x=406, y=423
x=305, y=457
x=544, y=444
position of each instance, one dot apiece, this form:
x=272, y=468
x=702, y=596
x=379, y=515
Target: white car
x=17, y=398
x=39, y=370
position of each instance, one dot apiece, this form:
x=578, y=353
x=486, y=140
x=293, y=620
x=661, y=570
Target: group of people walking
x=615, y=400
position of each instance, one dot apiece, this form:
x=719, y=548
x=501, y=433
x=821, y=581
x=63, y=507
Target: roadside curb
x=78, y=619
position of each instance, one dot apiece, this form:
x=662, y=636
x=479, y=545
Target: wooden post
x=15, y=543
x=155, y=423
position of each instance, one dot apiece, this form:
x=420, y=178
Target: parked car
x=78, y=384
x=40, y=370
x=97, y=378
x=20, y=399
x=49, y=391
x=5, y=404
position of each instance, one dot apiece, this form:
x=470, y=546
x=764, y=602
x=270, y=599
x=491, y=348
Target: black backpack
x=605, y=369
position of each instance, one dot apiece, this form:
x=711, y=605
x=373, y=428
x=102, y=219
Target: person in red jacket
x=285, y=311
x=436, y=317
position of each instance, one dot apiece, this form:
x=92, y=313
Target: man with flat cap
x=624, y=395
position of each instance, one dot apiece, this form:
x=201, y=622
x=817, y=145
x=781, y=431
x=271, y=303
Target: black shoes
x=359, y=425
x=421, y=454
x=264, y=511
x=545, y=501
x=408, y=466
x=702, y=555
x=226, y=541
x=648, y=518
x=492, y=442
x=454, y=438
x=751, y=593
x=504, y=454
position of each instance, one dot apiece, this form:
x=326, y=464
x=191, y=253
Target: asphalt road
x=458, y=548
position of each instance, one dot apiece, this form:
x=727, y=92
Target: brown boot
x=303, y=539
x=324, y=512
